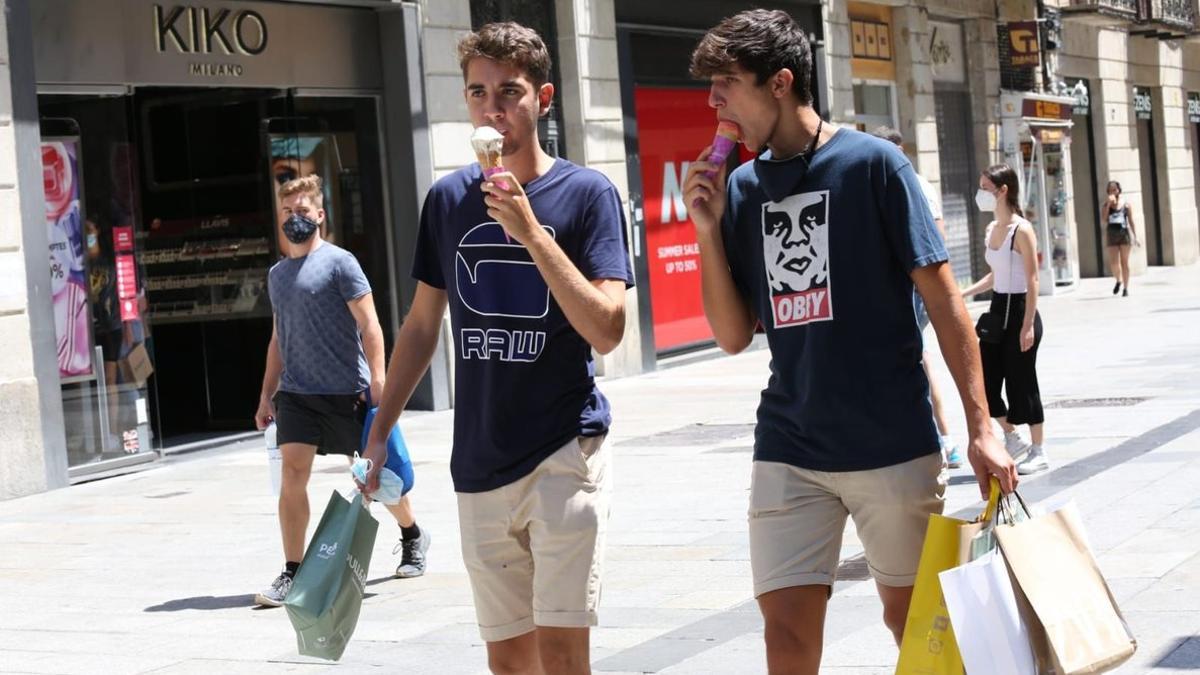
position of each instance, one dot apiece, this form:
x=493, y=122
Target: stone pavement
x=155, y=571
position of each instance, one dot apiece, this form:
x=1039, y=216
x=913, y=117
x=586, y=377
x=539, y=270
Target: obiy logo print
x=796, y=258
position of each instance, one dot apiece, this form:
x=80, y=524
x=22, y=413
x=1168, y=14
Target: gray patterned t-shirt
x=318, y=337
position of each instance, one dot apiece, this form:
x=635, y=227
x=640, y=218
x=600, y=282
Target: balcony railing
x=1173, y=17
x=1103, y=12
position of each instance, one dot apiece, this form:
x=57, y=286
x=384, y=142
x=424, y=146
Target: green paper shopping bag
x=327, y=593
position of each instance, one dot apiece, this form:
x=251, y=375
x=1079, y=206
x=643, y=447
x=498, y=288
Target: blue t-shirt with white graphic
x=821, y=248
x=317, y=334
x=524, y=378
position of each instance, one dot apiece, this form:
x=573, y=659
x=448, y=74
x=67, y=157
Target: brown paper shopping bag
x=1078, y=627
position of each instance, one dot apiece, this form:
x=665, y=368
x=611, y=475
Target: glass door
x=105, y=350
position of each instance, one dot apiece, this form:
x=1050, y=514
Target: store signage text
x=1023, y=44
x=1193, y=107
x=870, y=40
x=1143, y=108
x=1045, y=110
x=205, y=30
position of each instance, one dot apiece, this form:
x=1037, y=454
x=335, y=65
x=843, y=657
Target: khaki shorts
x=797, y=517
x=533, y=548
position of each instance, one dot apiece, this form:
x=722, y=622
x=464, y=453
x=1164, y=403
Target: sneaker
x=1015, y=444
x=412, y=560
x=277, y=593
x=1125, y=293
x=1116, y=288
x=1034, y=462
x=953, y=457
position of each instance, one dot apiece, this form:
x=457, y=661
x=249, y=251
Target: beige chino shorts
x=797, y=517
x=534, y=548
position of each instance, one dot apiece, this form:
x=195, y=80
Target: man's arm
x=730, y=318
x=952, y=324
x=266, y=409
x=414, y=349
x=363, y=309
x=595, y=308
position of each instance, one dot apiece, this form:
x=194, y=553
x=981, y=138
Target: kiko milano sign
x=142, y=42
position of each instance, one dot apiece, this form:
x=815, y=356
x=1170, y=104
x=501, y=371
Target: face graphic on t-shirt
x=796, y=257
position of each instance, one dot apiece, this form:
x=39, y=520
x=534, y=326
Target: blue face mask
x=391, y=487
x=299, y=229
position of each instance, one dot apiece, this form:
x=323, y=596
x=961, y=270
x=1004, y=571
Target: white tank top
x=1008, y=267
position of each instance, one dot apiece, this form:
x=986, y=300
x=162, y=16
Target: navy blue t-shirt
x=821, y=249
x=524, y=378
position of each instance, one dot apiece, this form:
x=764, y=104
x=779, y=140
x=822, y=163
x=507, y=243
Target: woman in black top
x=1119, y=235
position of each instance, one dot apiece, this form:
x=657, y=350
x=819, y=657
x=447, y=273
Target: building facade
x=132, y=305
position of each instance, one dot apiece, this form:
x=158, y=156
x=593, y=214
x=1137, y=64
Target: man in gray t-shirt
x=325, y=365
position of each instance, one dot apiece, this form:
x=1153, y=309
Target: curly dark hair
x=509, y=43
x=761, y=41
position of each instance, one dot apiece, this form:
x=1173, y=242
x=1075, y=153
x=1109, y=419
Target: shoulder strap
x=1012, y=246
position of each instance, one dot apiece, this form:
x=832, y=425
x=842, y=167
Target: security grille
x=960, y=176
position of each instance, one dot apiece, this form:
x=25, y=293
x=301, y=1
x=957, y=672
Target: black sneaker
x=1125, y=293
x=1116, y=288
x=412, y=561
x=277, y=593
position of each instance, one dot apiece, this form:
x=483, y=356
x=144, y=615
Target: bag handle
x=989, y=511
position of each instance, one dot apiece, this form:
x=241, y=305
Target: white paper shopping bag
x=983, y=611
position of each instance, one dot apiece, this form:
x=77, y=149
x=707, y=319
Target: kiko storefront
x=165, y=130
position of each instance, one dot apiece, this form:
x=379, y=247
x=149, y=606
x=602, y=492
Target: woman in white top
x=1011, y=364
x=1119, y=234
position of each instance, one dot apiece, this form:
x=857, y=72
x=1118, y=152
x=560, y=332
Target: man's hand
x=508, y=205
x=265, y=414
x=705, y=197
x=376, y=453
x=989, y=458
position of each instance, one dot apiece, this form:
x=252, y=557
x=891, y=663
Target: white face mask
x=986, y=201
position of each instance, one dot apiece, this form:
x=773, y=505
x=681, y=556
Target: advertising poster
x=674, y=125
x=72, y=323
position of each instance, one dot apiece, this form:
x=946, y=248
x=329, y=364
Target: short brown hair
x=761, y=41
x=309, y=185
x=509, y=43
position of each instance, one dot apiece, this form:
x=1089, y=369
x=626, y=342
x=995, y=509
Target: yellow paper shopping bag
x=929, y=647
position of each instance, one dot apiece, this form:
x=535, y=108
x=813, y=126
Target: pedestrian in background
x=821, y=240
x=1011, y=364
x=949, y=447
x=1119, y=234
x=324, y=360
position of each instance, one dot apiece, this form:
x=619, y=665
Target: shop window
x=874, y=105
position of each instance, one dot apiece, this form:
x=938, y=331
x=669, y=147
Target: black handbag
x=991, y=327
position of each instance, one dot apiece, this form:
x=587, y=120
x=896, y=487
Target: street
x=156, y=571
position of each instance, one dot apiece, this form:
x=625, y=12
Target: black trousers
x=1006, y=366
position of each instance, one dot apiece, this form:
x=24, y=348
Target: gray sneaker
x=1034, y=462
x=277, y=593
x=412, y=561
x=1015, y=444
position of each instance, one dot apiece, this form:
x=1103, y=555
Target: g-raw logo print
x=796, y=258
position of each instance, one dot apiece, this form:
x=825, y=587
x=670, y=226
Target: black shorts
x=332, y=422
x=110, y=345
x=1117, y=236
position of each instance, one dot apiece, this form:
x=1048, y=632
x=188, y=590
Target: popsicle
x=727, y=137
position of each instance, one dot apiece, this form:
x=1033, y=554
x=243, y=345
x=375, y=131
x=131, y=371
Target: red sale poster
x=674, y=125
